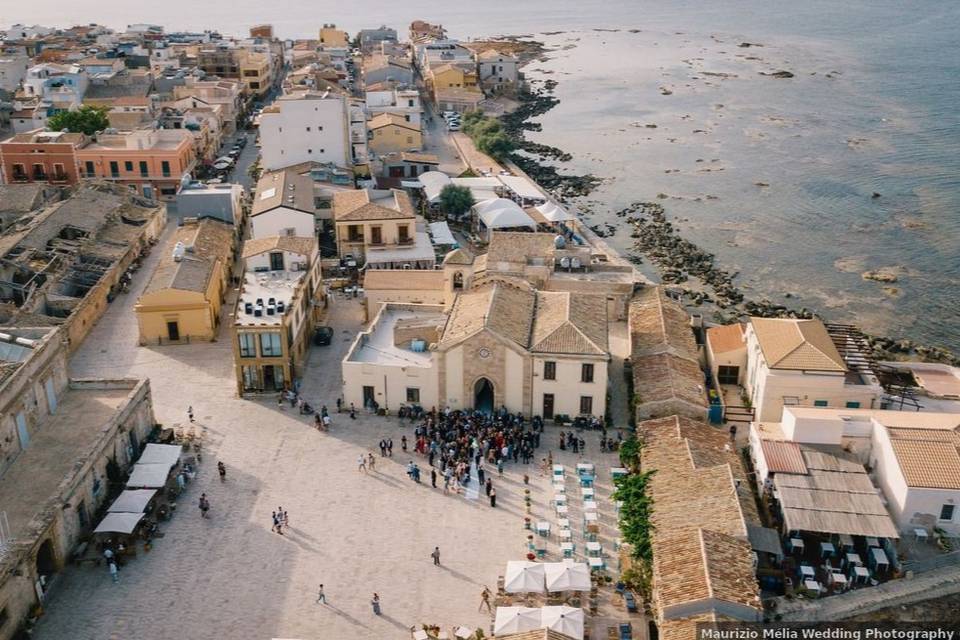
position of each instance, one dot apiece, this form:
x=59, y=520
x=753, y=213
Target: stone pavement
x=230, y=576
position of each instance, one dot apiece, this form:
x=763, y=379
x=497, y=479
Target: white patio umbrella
x=561, y=576
x=523, y=577
x=516, y=620
x=565, y=620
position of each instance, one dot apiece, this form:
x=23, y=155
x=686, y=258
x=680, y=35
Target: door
x=22, y=430
x=547, y=406
x=269, y=379
x=728, y=374
x=368, y=396
x=173, y=331
x=51, y=395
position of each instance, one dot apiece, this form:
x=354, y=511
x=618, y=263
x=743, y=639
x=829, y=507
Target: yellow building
x=333, y=38
x=391, y=132
x=256, y=71
x=450, y=76
x=372, y=219
x=183, y=298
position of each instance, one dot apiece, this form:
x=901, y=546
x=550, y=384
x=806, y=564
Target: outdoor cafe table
x=566, y=535
x=585, y=468
x=567, y=549
x=594, y=549
x=586, y=481
x=806, y=570
x=560, y=498
x=596, y=563
x=543, y=528
x=558, y=470
x=616, y=472
x=872, y=542
x=860, y=574
x=563, y=523
x=827, y=549
x=587, y=493
x=920, y=534
x=589, y=505
x=837, y=578
x=590, y=517
x=562, y=510
x=812, y=585
x=854, y=559
x=463, y=633
x=559, y=487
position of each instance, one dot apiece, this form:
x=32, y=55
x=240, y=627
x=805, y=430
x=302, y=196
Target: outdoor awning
x=553, y=213
x=132, y=501
x=522, y=187
x=148, y=476
x=433, y=183
x=563, y=619
x=567, y=577
x=764, y=539
x=523, y=577
x=441, y=233
x=500, y=213
x=516, y=620
x=168, y=454
x=119, y=523
x=418, y=256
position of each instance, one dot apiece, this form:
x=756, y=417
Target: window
x=376, y=235
x=409, y=139
x=586, y=373
x=39, y=172
x=728, y=374
x=270, y=345
x=165, y=168
x=413, y=394
x=89, y=168
x=355, y=233
x=276, y=261
x=819, y=403
x=586, y=405
x=59, y=173
x=853, y=405
x=144, y=172
x=549, y=370
x=128, y=165
x=403, y=233
x=248, y=346
x=19, y=171
x=946, y=512
x=458, y=280
x=114, y=169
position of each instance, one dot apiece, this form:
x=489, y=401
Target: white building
x=402, y=102
x=13, y=70
x=64, y=85
x=914, y=457
x=497, y=71
x=793, y=362
x=306, y=127
x=283, y=206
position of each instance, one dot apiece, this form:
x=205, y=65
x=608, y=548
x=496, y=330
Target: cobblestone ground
x=230, y=576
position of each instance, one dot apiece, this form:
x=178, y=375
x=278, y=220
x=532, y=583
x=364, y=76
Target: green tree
x=456, y=200
x=635, y=524
x=496, y=145
x=86, y=119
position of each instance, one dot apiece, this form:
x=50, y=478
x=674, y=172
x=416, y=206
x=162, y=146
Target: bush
x=86, y=119
x=456, y=200
x=635, y=513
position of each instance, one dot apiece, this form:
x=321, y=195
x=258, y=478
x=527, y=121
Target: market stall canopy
x=523, y=577
x=119, y=523
x=132, y=501
x=563, y=619
x=553, y=213
x=567, y=577
x=148, y=476
x=500, y=213
x=441, y=233
x=516, y=620
x=168, y=454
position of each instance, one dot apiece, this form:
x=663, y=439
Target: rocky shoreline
x=679, y=261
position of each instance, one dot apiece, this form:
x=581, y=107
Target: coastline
x=688, y=270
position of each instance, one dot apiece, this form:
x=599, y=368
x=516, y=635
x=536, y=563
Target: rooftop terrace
x=376, y=345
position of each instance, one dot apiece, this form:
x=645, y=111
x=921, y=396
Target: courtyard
x=231, y=576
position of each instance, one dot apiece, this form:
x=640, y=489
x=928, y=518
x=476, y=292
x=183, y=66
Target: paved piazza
x=230, y=576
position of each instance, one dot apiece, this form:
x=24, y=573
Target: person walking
x=375, y=603
x=284, y=518
x=485, y=599
x=222, y=470
x=190, y=412
x=353, y=412
x=480, y=472
x=114, y=572
x=436, y=556
x=362, y=463
x=276, y=523
x=372, y=461
x=326, y=422
x=493, y=497
x=390, y=447
x=321, y=596
x=403, y=443
x=383, y=448
x=433, y=477
x=488, y=487
x=204, y=505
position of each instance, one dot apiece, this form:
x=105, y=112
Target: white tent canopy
x=523, y=577
x=516, y=620
x=500, y=213
x=119, y=523
x=522, y=187
x=132, y=501
x=565, y=620
x=433, y=183
x=441, y=233
x=148, y=476
x=553, y=213
x=168, y=454
x=567, y=577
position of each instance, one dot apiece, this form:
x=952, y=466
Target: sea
x=799, y=184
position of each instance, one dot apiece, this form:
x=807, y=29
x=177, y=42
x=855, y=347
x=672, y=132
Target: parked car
x=223, y=164
x=322, y=336
x=454, y=126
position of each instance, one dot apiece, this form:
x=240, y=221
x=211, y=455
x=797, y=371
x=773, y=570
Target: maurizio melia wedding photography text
x=828, y=631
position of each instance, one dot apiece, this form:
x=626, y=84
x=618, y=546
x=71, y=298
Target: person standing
x=276, y=523
x=488, y=487
x=403, y=443
x=190, y=412
x=375, y=603
x=321, y=596
x=284, y=518
x=493, y=497
x=480, y=472
x=204, y=505
x=362, y=463
x=114, y=572
x=222, y=470
x=372, y=461
x=433, y=477
x=484, y=599
x=383, y=448
x=390, y=447
x=436, y=556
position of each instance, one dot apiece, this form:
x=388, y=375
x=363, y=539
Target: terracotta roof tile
x=568, y=323
x=294, y=244
x=726, y=338
x=797, y=344
x=368, y=204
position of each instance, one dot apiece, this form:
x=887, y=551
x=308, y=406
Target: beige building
x=793, y=362
x=380, y=227
x=502, y=344
x=333, y=38
x=182, y=301
x=390, y=133
x=64, y=441
x=276, y=311
x=421, y=286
